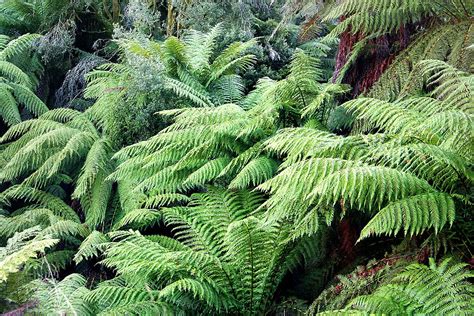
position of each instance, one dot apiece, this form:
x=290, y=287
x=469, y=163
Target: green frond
x=207, y=172
x=291, y=188
x=183, y=90
x=97, y=162
x=441, y=289
x=367, y=187
x=91, y=246
x=388, y=116
x=414, y=215
x=52, y=262
x=226, y=60
x=9, y=110
x=148, y=308
x=439, y=42
x=238, y=64
x=139, y=218
x=32, y=195
x=250, y=245
x=254, y=173
x=452, y=86
x=4, y=39
x=303, y=142
x=29, y=99
x=18, y=46
x=199, y=47
x=199, y=291
x=65, y=296
x=159, y=200
x=20, y=248
x=65, y=228
x=95, y=203
x=239, y=162
x=227, y=89
x=326, y=95
x=14, y=74
x=444, y=168
x=222, y=259
x=26, y=218
x=35, y=127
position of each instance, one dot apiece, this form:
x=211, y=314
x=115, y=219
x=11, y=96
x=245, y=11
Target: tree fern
x=223, y=260
x=442, y=289
x=204, y=145
x=404, y=176
x=445, y=35
x=413, y=214
x=44, y=156
x=91, y=246
x=442, y=42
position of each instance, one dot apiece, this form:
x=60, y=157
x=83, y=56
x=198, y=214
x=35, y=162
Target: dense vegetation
x=243, y=157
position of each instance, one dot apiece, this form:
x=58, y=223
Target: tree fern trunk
x=373, y=62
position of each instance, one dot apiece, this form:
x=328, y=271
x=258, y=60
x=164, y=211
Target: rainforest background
x=236, y=157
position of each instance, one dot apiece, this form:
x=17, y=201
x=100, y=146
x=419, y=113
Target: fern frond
x=433, y=289
x=207, y=172
x=254, y=173
x=14, y=74
x=18, y=46
x=19, y=250
x=91, y=247
x=367, y=187
x=49, y=201
x=413, y=214
x=29, y=99
x=65, y=296
x=139, y=218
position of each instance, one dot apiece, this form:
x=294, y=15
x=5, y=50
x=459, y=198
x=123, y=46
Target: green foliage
x=91, y=246
x=223, y=144
x=405, y=176
x=18, y=79
x=23, y=246
x=42, y=150
x=65, y=296
x=442, y=289
x=445, y=42
x=224, y=259
x=202, y=190
x=39, y=16
x=154, y=76
x=393, y=15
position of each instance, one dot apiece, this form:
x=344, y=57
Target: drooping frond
x=255, y=172
x=413, y=214
x=38, y=197
x=40, y=151
x=367, y=187
x=402, y=176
